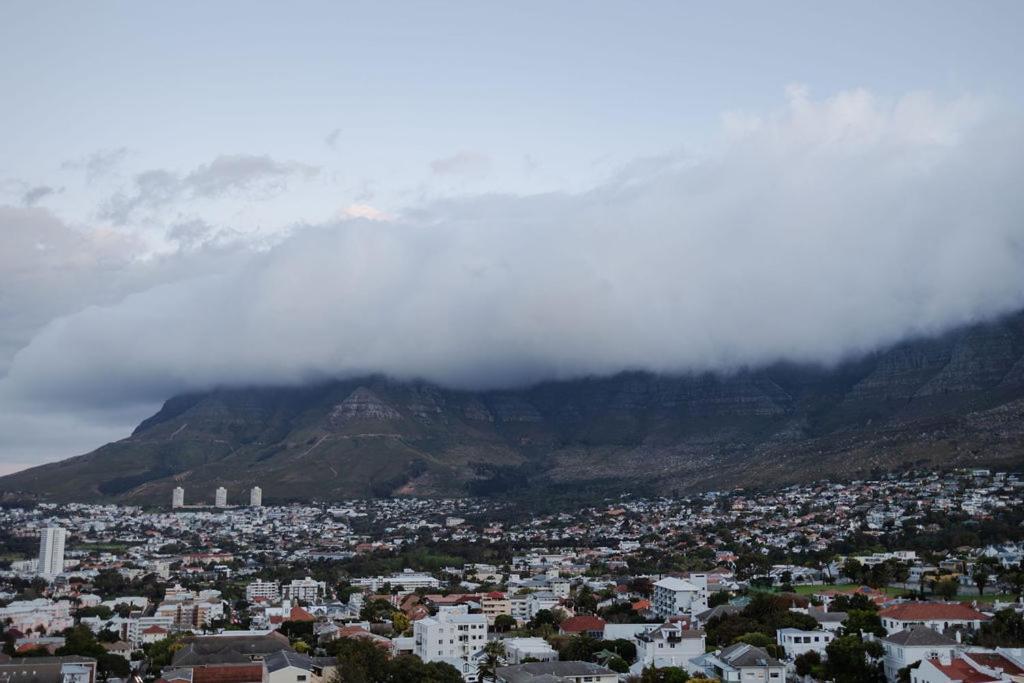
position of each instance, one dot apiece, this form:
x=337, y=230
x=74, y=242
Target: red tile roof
x=582, y=623
x=245, y=673
x=959, y=670
x=932, y=611
x=996, y=661
x=299, y=614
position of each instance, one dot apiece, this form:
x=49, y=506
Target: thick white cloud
x=820, y=232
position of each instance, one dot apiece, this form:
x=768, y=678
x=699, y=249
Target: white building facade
x=674, y=596
x=51, y=552
x=453, y=633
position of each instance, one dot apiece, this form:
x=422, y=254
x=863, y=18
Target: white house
x=914, y=645
x=966, y=670
x=795, y=642
x=452, y=633
x=674, y=596
x=668, y=645
x=563, y=672
x=742, y=662
x=287, y=666
x=518, y=649
x=938, y=616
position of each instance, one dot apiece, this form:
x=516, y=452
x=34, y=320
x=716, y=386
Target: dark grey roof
x=228, y=649
x=823, y=617
x=286, y=658
x=545, y=672
x=742, y=654
x=919, y=636
x=38, y=669
x=719, y=611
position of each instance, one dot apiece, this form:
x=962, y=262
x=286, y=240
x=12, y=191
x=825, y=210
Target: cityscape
x=545, y=341
x=914, y=577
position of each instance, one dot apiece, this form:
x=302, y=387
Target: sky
x=486, y=194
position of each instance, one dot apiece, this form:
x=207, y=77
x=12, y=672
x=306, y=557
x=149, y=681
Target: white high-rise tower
x=220, y=499
x=256, y=497
x=178, y=497
x=51, y=552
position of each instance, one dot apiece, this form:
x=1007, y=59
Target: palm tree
x=494, y=653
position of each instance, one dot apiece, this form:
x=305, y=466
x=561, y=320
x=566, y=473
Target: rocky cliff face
x=958, y=399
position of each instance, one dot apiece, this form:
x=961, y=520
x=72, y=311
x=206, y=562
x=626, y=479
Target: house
x=701, y=619
x=214, y=673
x=674, y=596
x=742, y=662
x=913, y=645
x=518, y=649
x=950, y=671
x=795, y=642
x=670, y=644
x=830, y=621
x=230, y=647
x=48, y=670
x=288, y=666
x=556, y=672
x=938, y=616
x=582, y=624
x=452, y=634
x=151, y=634
x=119, y=648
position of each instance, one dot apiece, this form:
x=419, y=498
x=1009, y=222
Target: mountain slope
x=955, y=399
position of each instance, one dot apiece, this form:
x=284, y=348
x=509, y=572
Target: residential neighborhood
x=903, y=578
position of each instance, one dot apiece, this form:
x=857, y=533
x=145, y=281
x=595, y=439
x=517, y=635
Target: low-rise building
x=556, y=672
x=795, y=642
x=674, y=596
x=913, y=645
x=668, y=645
x=742, y=662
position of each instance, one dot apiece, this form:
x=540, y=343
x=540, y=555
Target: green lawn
x=101, y=547
x=896, y=592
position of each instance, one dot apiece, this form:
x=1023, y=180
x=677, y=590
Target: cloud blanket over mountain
x=812, y=234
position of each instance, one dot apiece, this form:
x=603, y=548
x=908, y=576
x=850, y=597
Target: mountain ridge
x=955, y=399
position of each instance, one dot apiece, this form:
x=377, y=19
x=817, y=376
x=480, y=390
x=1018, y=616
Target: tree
x=852, y=569
x=579, y=648
x=159, y=654
x=947, y=588
x=504, y=623
x=982, y=572
x=852, y=660
x=543, y=616
x=809, y=664
x=377, y=611
x=493, y=655
x=81, y=641
x=1005, y=629
x=400, y=622
x=718, y=598
x=101, y=611
x=617, y=664
x=668, y=674
x=860, y=621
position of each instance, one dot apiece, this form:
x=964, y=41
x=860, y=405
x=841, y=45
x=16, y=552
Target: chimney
x=946, y=657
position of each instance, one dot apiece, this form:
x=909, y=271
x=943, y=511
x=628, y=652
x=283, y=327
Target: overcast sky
x=486, y=194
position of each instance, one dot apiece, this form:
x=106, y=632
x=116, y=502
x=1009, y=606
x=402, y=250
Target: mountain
x=956, y=399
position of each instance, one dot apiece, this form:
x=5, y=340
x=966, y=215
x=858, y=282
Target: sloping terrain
x=958, y=399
